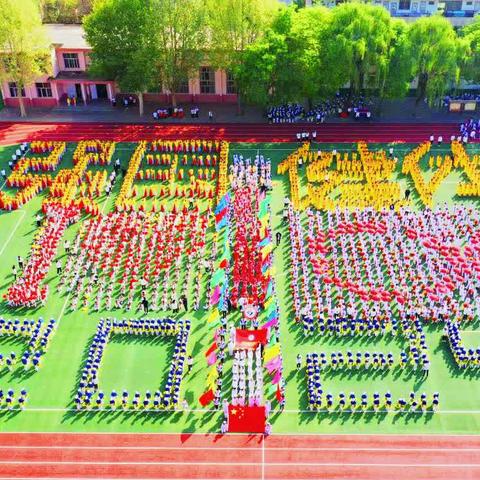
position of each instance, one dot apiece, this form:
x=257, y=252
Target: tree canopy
x=436, y=54
x=25, y=54
x=273, y=53
x=182, y=40
x=65, y=11
x=471, y=66
x=121, y=33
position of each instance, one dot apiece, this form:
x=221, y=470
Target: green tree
x=305, y=70
x=437, y=55
x=121, y=33
x=26, y=52
x=398, y=73
x=358, y=44
x=471, y=36
x=181, y=37
x=234, y=25
x=256, y=74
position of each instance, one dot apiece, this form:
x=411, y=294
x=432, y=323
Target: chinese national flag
x=206, y=398
x=246, y=419
x=250, y=339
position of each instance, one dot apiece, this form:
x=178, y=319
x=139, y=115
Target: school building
x=459, y=12
x=70, y=78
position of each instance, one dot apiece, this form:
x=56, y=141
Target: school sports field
x=139, y=363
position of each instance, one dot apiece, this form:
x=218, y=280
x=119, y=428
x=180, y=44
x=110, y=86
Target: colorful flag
x=272, y=314
x=223, y=203
x=273, y=364
x=265, y=242
x=277, y=377
x=221, y=223
x=271, y=323
x=266, y=250
x=213, y=316
x=279, y=393
x=212, y=377
x=263, y=208
x=270, y=288
x=212, y=358
x=249, y=339
x=212, y=348
x=220, y=215
x=271, y=352
x=206, y=398
x=215, y=296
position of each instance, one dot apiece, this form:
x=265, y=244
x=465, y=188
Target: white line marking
x=5, y=245
x=199, y=410
x=286, y=434
x=61, y=315
x=263, y=458
x=250, y=464
x=248, y=449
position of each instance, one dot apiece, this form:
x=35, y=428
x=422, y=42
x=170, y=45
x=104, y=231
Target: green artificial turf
x=139, y=364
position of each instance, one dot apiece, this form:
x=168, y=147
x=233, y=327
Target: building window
x=207, y=80
x=44, y=90
x=183, y=86
x=231, y=88
x=12, y=86
x=70, y=60
x=404, y=4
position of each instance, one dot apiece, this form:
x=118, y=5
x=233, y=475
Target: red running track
x=239, y=457
x=11, y=133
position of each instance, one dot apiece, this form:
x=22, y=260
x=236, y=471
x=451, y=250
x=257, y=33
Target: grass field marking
x=63, y=309
x=199, y=410
x=12, y=233
x=105, y=409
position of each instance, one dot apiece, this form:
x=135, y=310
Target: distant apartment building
x=70, y=78
x=460, y=12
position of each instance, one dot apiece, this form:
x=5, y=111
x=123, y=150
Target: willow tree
x=358, y=44
x=471, y=35
x=398, y=75
x=124, y=49
x=25, y=50
x=437, y=54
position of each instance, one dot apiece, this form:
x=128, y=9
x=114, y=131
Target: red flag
x=246, y=419
x=224, y=263
x=250, y=339
x=211, y=349
x=206, y=398
x=220, y=215
x=278, y=394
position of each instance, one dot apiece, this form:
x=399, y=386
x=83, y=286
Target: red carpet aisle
x=11, y=133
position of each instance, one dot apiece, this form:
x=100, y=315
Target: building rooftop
x=67, y=36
